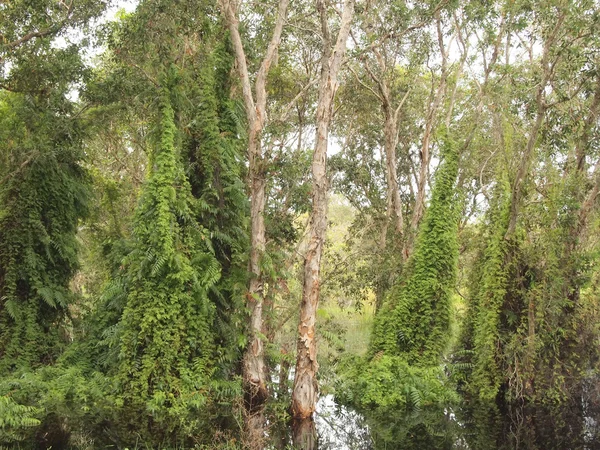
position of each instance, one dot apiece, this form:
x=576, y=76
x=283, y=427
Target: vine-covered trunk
x=304, y=395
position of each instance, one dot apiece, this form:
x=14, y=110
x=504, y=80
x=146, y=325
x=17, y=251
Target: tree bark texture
x=254, y=367
x=394, y=201
x=304, y=395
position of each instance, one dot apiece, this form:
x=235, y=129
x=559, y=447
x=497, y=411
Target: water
x=575, y=426
x=339, y=427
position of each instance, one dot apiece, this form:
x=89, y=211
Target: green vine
x=415, y=318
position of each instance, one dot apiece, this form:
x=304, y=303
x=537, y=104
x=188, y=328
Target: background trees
x=164, y=224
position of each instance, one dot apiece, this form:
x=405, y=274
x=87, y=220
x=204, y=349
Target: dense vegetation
x=195, y=196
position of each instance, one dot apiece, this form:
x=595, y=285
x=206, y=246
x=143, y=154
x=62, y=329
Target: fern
x=414, y=320
x=15, y=419
x=41, y=204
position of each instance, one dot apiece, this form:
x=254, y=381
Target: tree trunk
x=304, y=434
x=394, y=202
x=254, y=437
x=254, y=367
x=304, y=395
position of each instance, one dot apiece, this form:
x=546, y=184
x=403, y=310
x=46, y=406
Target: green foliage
x=390, y=383
x=489, y=290
x=214, y=168
x=166, y=346
x=411, y=330
x=15, y=419
x=415, y=318
x=136, y=340
x=62, y=394
x=44, y=194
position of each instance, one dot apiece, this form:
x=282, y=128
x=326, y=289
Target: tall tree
x=255, y=371
x=44, y=188
x=166, y=337
x=415, y=320
x=304, y=395
x=44, y=194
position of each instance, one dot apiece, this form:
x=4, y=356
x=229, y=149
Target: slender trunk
x=523, y=169
x=254, y=367
x=429, y=129
x=540, y=100
x=255, y=373
x=304, y=395
x=394, y=202
x=530, y=356
x=390, y=134
x=388, y=211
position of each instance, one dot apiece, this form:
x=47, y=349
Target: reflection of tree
x=339, y=426
x=480, y=426
x=521, y=426
x=428, y=428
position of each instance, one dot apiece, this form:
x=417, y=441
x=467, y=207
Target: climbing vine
x=44, y=194
x=165, y=333
x=415, y=318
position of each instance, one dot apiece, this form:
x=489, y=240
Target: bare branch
x=399, y=107
x=240, y=58
x=363, y=84
x=287, y=109
x=261, y=77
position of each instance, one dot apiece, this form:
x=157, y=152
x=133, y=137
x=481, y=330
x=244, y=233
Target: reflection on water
x=339, y=427
x=469, y=426
x=573, y=425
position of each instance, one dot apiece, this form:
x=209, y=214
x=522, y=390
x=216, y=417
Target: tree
x=166, y=342
x=44, y=195
x=415, y=319
x=304, y=396
x=255, y=371
x=44, y=188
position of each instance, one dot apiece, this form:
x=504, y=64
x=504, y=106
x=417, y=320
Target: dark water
x=575, y=425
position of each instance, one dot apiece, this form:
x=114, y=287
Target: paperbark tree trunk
x=254, y=367
x=304, y=434
x=304, y=395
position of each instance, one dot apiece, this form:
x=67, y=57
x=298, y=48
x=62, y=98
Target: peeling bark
x=254, y=367
x=255, y=438
x=305, y=391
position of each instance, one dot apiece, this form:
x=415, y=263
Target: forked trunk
x=254, y=367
